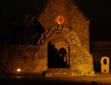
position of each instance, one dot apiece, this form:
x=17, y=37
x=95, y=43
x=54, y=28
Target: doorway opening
x=57, y=58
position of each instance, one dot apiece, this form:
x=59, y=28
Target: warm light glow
x=60, y=20
x=18, y=70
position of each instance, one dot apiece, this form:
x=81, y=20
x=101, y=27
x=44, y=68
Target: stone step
x=58, y=72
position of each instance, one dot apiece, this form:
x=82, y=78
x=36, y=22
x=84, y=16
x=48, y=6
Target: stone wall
x=74, y=18
x=81, y=62
x=30, y=58
x=34, y=58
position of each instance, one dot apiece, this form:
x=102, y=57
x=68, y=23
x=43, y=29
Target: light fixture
x=60, y=20
x=18, y=69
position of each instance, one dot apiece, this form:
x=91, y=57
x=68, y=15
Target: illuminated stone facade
x=78, y=58
x=75, y=33
x=34, y=59
x=73, y=17
x=70, y=43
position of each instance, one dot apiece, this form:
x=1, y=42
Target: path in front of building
x=98, y=79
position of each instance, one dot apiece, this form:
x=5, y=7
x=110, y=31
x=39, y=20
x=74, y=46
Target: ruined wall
x=30, y=58
x=74, y=19
x=81, y=62
x=34, y=58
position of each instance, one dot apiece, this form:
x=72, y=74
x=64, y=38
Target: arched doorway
x=57, y=58
x=62, y=55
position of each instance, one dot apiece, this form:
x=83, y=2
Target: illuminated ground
x=38, y=80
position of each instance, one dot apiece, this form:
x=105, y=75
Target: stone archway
x=58, y=54
x=78, y=58
x=55, y=40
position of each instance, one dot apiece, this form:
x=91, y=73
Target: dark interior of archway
x=56, y=58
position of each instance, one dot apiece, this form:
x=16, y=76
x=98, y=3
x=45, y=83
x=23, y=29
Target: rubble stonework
x=73, y=18
x=81, y=62
x=75, y=33
x=73, y=37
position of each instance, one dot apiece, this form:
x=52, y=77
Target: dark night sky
x=98, y=11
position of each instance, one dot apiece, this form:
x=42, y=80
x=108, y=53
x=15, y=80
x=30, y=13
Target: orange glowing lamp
x=19, y=70
x=60, y=20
